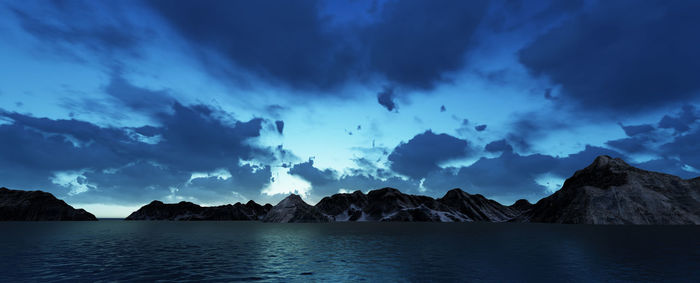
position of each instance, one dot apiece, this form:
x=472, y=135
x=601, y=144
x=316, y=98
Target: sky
x=111, y=104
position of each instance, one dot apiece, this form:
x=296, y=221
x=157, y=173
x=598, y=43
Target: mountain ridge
x=608, y=191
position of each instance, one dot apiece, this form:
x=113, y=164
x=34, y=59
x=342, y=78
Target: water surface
x=232, y=251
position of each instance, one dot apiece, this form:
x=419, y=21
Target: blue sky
x=111, y=104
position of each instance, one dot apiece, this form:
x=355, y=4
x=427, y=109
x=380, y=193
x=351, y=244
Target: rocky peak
x=291, y=201
x=384, y=192
x=455, y=193
x=604, y=162
x=604, y=172
x=610, y=191
x=294, y=209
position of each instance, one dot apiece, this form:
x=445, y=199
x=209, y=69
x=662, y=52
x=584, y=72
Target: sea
x=228, y=251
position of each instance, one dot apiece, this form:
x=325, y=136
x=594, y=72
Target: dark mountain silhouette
x=18, y=205
x=157, y=210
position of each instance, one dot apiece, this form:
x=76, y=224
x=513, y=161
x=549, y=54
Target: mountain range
x=609, y=191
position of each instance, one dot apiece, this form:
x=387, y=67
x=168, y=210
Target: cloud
x=637, y=129
x=498, y=146
x=297, y=46
x=279, y=124
x=633, y=59
x=316, y=177
x=137, y=98
x=65, y=25
x=682, y=122
x=386, y=98
x=422, y=153
x=132, y=164
x=409, y=30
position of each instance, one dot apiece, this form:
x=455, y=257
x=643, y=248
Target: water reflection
x=233, y=251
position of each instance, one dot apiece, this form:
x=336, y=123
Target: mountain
x=344, y=207
x=389, y=204
x=478, y=208
x=294, y=209
x=16, y=205
x=157, y=210
x=610, y=191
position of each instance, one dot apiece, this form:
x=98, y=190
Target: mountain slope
x=16, y=205
x=478, y=208
x=609, y=191
x=157, y=210
x=294, y=209
x=389, y=204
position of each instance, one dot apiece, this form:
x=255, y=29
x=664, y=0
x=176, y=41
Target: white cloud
x=73, y=180
x=221, y=174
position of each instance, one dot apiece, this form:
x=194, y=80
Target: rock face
x=609, y=191
x=294, y=209
x=479, y=208
x=389, y=204
x=18, y=205
x=157, y=210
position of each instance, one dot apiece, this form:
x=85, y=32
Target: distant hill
x=16, y=205
x=157, y=210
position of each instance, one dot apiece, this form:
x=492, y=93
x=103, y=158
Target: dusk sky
x=112, y=104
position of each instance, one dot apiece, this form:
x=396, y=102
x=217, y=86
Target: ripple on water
x=242, y=251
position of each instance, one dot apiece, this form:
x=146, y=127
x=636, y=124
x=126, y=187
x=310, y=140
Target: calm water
x=230, y=251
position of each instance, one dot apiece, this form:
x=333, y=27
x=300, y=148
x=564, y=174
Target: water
x=232, y=251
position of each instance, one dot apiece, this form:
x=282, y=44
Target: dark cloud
x=529, y=128
x=64, y=25
x=279, y=124
x=633, y=59
x=408, y=30
x=134, y=164
x=480, y=128
x=294, y=45
x=669, y=166
x=684, y=148
x=513, y=14
x=386, y=98
x=316, y=177
x=548, y=94
x=422, y=154
x=637, y=129
x=631, y=145
x=137, y=98
x=290, y=44
x=680, y=123
x=498, y=146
